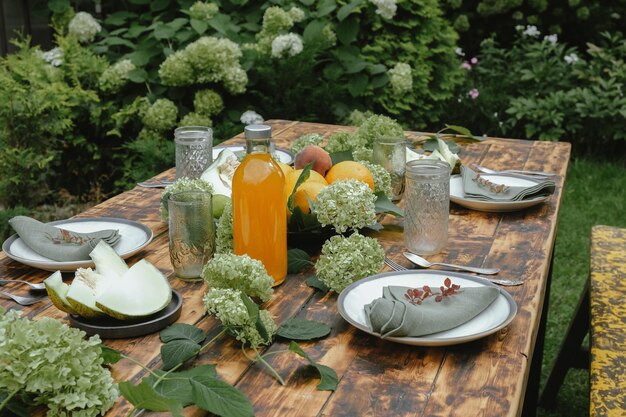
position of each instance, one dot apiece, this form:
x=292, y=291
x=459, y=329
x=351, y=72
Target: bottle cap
x=258, y=132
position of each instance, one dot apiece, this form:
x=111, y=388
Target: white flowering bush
x=382, y=178
x=377, y=126
x=161, y=115
x=55, y=365
x=116, y=76
x=347, y=259
x=180, y=185
x=250, y=117
x=400, y=78
x=208, y=102
x=385, y=8
x=227, y=306
x=239, y=272
x=84, y=27
x=286, y=45
x=201, y=10
x=346, y=204
x=345, y=141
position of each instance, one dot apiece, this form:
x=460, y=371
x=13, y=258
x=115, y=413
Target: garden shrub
x=5, y=215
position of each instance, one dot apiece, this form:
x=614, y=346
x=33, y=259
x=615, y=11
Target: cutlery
x=513, y=171
x=32, y=285
x=505, y=282
x=159, y=184
x=418, y=260
x=25, y=301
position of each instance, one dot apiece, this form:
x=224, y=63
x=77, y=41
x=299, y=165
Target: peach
x=312, y=153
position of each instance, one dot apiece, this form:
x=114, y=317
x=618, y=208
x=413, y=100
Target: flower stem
x=136, y=362
x=8, y=398
x=212, y=340
x=269, y=367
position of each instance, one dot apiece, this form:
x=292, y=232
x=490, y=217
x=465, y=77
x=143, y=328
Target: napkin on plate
x=60, y=244
x=394, y=315
x=478, y=187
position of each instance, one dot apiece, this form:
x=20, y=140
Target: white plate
x=135, y=236
x=284, y=155
x=456, y=194
x=498, y=315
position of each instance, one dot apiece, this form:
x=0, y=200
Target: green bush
x=5, y=215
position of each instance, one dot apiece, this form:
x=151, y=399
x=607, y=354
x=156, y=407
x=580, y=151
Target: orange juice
x=259, y=212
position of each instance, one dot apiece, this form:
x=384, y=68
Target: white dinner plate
x=499, y=314
x=284, y=155
x=135, y=236
x=457, y=195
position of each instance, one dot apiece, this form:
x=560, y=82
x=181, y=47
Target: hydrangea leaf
x=313, y=32
x=302, y=329
x=110, y=355
x=384, y=205
x=325, y=7
x=317, y=283
x=304, y=175
x=178, y=351
x=253, y=313
x=182, y=331
x=347, y=9
x=347, y=30
x=176, y=384
x=337, y=157
x=144, y=396
x=220, y=398
x=329, y=380
x=297, y=261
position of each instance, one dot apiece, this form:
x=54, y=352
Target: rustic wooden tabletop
x=487, y=377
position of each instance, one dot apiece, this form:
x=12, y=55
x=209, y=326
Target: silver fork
x=35, y=286
x=507, y=282
x=25, y=301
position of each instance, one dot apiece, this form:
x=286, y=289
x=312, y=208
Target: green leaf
x=158, y=5
x=326, y=7
x=199, y=26
x=297, y=261
x=384, y=205
x=317, y=283
x=313, y=32
x=357, y=84
x=110, y=355
x=379, y=80
x=221, y=23
x=178, y=23
x=307, y=2
x=253, y=313
x=182, y=331
x=374, y=69
x=140, y=57
x=138, y=75
x=178, y=351
x=114, y=40
x=348, y=29
x=144, y=396
x=347, y=9
x=329, y=380
x=460, y=129
x=119, y=18
x=337, y=157
x=58, y=6
x=163, y=31
x=333, y=71
x=218, y=397
x=301, y=329
x=176, y=384
x=304, y=175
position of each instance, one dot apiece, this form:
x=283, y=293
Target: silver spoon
x=418, y=260
x=39, y=286
x=25, y=301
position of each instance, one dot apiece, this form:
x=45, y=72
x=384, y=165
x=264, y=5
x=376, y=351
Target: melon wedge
x=57, y=291
x=143, y=290
x=82, y=293
x=108, y=263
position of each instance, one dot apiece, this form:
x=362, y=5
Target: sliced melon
x=108, y=263
x=143, y=290
x=82, y=293
x=57, y=291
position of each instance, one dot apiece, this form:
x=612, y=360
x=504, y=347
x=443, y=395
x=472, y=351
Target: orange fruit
x=310, y=189
x=350, y=170
x=285, y=168
x=292, y=177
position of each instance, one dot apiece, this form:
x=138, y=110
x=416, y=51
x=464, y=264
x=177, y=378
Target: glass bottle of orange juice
x=259, y=210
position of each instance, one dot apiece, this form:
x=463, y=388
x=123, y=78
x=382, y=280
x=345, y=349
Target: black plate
x=110, y=328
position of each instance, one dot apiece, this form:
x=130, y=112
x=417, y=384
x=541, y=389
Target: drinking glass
x=194, y=150
x=390, y=153
x=426, y=206
x=191, y=232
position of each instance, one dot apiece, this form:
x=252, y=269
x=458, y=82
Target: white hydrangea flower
x=553, y=39
x=286, y=45
x=53, y=57
x=532, y=31
x=116, y=76
x=250, y=117
x=296, y=14
x=385, y=8
x=84, y=27
x=571, y=58
x=400, y=78
x=459, y=52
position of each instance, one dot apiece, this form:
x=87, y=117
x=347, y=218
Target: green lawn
x=594, y=194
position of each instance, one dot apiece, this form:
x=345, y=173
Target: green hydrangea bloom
x=224, y=235
x=382, y=178
x=116, y=76
x=239, y=272
x=296, y=14
x=176, y=70
x=180, y=185
x=346, y=204
x=84, y=27
x=400, y=78
x=208, y=102
x=275, y=21
x=55, y=365
x=377, y=126
x=227, y=306
x=358, y=117
x=329, y=35
x=235, y=80
x=346, y=259
x=161, y=116
x=196, y=119
x=344, y=141
x=203, y=11
x=306, y=140
x=362, y=154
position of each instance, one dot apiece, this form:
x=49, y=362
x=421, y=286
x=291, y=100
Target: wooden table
x=488, y=377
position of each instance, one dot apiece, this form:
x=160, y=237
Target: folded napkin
x=478, y=187
x=394, y=315
x=60, y=244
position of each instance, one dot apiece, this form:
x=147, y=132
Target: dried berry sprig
x=415, y=296
x=491, y=186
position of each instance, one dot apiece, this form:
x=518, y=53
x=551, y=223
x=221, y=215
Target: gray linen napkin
x=60, y=244
x=394, y=315
x=478, y=187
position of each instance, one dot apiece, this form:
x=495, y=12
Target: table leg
x=531, y=398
